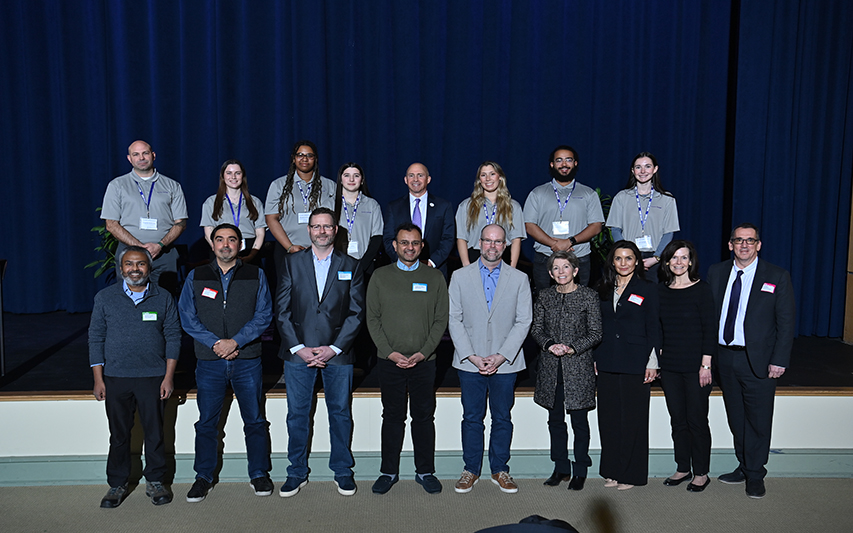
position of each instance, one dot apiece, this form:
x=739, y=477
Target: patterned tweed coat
x=573, y=319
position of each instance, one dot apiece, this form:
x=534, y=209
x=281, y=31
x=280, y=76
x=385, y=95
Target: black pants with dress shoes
x=400, y=386
x=687, y=404
x=124, y=396
x=559, y=432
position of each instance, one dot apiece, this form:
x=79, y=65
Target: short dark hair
x=746, y=225
x=564, y=147
x=563, y=254
x=121, y=254
x=323, y=211
x=666, y=257
x=226, y=225
x=407, y=226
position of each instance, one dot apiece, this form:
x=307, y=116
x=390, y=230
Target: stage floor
x=49, y=352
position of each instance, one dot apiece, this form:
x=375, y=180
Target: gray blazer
x=477, y=331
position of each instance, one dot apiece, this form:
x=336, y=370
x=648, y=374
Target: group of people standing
x=614, y=339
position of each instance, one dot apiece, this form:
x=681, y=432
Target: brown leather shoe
x=466, y=482
x=505, y=482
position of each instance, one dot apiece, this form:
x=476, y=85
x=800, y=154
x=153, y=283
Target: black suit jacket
x=304, y=318
x=768, y=326
x=439, y=234
x=631, y=331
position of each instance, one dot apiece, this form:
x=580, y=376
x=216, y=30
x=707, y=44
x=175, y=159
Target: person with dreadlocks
x=286, y=212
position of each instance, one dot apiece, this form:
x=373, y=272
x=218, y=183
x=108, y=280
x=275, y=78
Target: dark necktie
x=731, y=315
x=416, y=214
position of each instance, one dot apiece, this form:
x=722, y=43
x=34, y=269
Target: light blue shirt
x=321, y=272
x=135, y=296
x=746, y=287
x=402, y=266
x=490, y=281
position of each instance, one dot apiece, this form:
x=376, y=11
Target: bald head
x=417, y=178
x=141, y=158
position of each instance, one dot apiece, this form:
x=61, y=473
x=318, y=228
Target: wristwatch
x=573, y=241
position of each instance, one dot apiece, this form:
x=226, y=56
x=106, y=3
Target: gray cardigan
x=134, y=341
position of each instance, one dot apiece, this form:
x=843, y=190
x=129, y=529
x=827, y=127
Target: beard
x=134, y=283
x=563, y=179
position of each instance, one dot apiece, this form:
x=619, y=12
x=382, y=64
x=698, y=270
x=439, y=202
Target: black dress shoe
x=556, y=478
x=384, y=483
x=692, y=487
x=755, y=488
x=577, y=483
x=669, y=482
x=733, y=478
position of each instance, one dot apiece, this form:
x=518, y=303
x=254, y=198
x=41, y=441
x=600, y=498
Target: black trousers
x=687, y=404
x=623, y=422
x=559, y=431
x=123, y=397
x=749, y=409
x=399, y=386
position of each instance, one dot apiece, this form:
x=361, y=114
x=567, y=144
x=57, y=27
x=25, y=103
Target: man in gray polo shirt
x=562, y=215
x=144, y=208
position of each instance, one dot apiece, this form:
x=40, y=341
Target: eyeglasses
x=490, y=242
x=567, y=160
x=318, y=227
x=750, y=241
x=407, y=243
x=301, y=155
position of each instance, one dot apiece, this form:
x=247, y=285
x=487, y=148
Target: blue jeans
x=212, y=380
x=476, y=389
x=337, y=386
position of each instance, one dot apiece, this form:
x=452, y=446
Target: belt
x=734, y=347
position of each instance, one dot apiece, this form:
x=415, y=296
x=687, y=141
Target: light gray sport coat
x=477, y=331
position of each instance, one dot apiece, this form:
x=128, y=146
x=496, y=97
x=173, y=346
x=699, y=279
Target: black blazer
x=768, y=326
x=439, y=234
x=304, y=318
x=631, y=331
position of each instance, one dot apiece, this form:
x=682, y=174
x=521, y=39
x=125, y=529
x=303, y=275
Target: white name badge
x=243, y=245
x=768, y=287
x=419, y=287
x=149, y=316
x=636, y=299
x=644, y=243
x=344, y=275
x=352, y=247
x=303, y=218
x=209, y=293
x=147, y=223
x=560, y=227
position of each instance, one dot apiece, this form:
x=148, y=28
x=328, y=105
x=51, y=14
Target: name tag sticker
x=352, y=247
x=344, y=275
x=560, y=227
x=419, y=287
x=149, y=316
x=644, y=243
x=768, y=287
x=303, y=218
x=636, y=299
x=147, y=223
x=209, y=293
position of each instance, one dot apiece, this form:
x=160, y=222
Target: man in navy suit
x=755, y=303
x=320, y=310
x=432, y=214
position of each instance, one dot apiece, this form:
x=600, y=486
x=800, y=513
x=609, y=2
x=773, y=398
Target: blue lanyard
x=150, y=194
x=490, y=220
x=350, y=221
x=303, y=193
x=239, y=208
x=563, y=206
x=643, y=218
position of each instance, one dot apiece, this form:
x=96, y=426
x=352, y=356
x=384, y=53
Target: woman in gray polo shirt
x=359, y=217
x=644, y=212
x=490, y=203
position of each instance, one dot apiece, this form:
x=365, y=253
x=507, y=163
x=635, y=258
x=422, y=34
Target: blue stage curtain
x=386, y=83
x=794, y=155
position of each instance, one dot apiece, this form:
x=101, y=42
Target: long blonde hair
x=478, y=197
